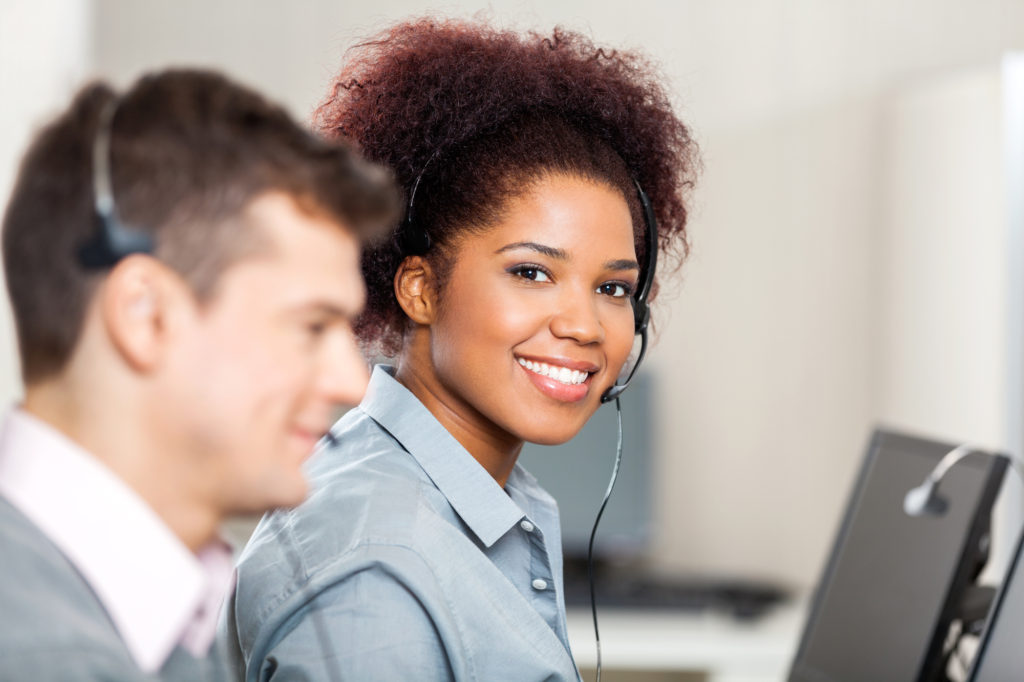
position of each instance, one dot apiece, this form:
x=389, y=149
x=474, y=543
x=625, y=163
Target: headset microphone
x=924, y=500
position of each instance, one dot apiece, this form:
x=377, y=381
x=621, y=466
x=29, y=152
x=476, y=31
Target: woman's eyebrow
x=549, y=251
x=561, y=254
x=622, y=264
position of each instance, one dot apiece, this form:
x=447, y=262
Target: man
x=183, y=267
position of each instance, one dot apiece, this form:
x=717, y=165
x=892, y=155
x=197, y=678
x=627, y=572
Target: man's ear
x=136, y=301
x=415, y=289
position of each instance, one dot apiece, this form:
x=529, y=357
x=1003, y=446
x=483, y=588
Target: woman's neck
x=494, y=448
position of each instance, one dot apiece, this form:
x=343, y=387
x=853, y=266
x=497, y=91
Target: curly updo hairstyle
x=483, y=113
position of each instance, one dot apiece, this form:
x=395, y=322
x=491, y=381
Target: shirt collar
x=158, y=594
x=472, y=492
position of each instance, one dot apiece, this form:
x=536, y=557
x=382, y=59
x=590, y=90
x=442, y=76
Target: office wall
x=944, y=260
x=952, y=320
x=45, y=51
x=766, y=365
x=768, y=358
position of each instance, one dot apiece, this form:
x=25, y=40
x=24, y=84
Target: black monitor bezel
x=997, y=605
x=980, y=525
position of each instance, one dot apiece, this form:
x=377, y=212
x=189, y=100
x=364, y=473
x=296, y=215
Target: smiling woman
x=506, y=298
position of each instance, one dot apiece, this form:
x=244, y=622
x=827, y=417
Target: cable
x=593, y=533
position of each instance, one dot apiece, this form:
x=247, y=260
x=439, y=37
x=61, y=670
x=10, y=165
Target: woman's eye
x=531, y=272
x=615, y=289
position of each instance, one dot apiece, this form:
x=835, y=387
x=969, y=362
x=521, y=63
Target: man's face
x=261, y=367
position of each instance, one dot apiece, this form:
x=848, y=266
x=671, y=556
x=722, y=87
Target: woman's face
x=535, y=320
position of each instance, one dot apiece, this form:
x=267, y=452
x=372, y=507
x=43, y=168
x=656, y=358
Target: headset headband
x=113, y=240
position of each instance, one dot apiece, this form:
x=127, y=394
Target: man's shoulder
x=46, y=606
x=36, y=572
x=67, y=662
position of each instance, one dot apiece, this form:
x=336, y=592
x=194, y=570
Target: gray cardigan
x=53, y=628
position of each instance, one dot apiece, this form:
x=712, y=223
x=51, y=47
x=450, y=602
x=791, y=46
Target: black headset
x=641, y=309
x=413, y=240
x=113, y=239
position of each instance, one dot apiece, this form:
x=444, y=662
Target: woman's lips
x=558, y=381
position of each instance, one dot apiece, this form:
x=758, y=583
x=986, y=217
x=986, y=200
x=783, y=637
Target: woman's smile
x=565, y=381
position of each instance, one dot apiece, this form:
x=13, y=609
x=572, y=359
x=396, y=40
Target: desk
x=718, y=646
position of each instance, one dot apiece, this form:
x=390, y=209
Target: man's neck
x=116, y=435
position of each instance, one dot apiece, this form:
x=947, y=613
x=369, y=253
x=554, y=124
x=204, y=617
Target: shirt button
x=527, y=526
x=539, y=584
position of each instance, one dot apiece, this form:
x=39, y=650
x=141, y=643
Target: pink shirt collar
x=157, y=592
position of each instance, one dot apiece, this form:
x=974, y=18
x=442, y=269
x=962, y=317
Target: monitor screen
x=1000, y=656
x=576, y=474
x=885, y=600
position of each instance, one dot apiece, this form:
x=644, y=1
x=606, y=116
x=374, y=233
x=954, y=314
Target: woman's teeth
x=560, y=374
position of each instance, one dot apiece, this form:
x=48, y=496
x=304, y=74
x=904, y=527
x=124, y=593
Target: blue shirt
x=407, y=562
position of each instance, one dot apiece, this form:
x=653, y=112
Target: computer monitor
x=576, y=474
x=892, y=583
x=1000, y=655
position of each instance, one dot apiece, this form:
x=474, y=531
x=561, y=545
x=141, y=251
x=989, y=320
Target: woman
x=425, y=552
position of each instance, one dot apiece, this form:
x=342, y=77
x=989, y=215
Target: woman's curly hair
x=479, y=113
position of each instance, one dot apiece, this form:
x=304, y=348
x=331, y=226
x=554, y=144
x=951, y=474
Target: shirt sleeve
x=382, y=622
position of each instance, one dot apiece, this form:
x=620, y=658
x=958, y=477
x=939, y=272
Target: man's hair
x=189, y=150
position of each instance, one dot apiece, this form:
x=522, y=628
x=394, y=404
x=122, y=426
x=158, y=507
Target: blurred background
x=857, y=252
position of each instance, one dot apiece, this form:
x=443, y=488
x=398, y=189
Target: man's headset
x=413, y=239
x=112, y=240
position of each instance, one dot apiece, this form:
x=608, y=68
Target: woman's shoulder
x=362, y=517
x=357, y=457
x=366, y=490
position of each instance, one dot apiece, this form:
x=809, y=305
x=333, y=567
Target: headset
x=113, y=239
x=414, y=240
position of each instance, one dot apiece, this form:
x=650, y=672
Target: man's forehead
x=275, y=207
x=308, y=259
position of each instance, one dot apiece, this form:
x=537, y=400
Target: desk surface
x=721, y=647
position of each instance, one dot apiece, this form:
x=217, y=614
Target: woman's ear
x=415, y=289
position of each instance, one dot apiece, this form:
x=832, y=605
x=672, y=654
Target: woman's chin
x=556, y=434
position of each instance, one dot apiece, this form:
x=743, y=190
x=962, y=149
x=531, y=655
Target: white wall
x=768, y=357
x=766, y=361
x=944, y=278
x=949, y=346
x=45, y=53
